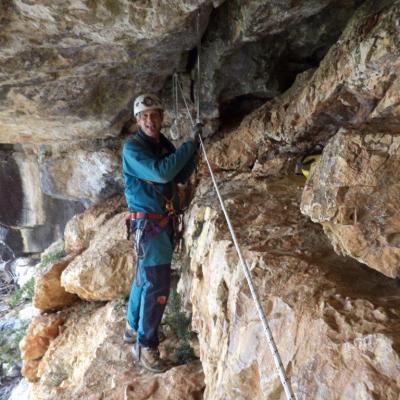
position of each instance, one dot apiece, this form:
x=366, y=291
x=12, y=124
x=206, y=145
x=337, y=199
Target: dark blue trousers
x=151, y=286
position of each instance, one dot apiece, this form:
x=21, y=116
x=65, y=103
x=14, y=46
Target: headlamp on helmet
x=146, y=102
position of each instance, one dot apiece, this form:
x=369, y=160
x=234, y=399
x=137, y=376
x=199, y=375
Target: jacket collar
x=149, y=138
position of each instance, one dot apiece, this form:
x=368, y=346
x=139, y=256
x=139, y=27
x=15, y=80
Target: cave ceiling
x=69, y=70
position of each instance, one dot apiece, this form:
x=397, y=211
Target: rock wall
x=43, y=187
x=306, y=289
x=353, y=91
x=254, y=50
x=356, y=81
x=70, y=85
x=75, y=77
x=33, y=219
x=334, y=321
x=69, y=70
x=327, y=291
x=354, y=193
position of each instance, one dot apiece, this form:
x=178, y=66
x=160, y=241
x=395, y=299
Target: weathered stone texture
x=70, y=69
x=354, y=193
x=89, y=360
x=335, y=323
x=87, y=175
x=254, y=49
x=49, y=294
x=104, y=271
x=34, y=345
x=356, y=80
x=36, y=219
x=81, y=229
x=185, y=382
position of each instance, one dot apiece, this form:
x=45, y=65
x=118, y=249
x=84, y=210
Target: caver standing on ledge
x=152, y=168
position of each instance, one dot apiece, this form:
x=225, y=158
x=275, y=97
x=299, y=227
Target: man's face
x=150, y=122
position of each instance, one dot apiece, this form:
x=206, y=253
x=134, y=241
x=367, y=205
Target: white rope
x=198, y=67
x=175, y=94
x=175, y=129
x=274, y=350
x=186, y=105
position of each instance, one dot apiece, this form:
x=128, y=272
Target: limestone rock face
x=254, y=49
x=33, y=219
x=183, y=382
x=354, y=193
x=81, y=174
x=356, y=80
x=335, y=322
x=69, y=70
x=49, y=294
x=247, y=149
x=41, y=332
x=75, y=76
x=43, y=187
x=90, y=361
x=104, y=271
x=82, y=227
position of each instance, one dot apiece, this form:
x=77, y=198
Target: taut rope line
x=270, y=339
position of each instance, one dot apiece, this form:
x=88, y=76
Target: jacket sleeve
x=142, y=164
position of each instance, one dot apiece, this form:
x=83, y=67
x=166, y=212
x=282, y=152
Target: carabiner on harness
x=169, y=206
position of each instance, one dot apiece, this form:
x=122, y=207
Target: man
x=152, y=168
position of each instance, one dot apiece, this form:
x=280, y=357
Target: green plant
x=23, y=294
x=9, y=343
x=179, y=323
x=121, y=303
x=175, y=318
x=51, y=258
x=29, y=289
x=57, y=373
x=184, y=353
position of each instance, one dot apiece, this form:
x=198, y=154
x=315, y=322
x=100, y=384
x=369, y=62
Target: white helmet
x=146, y=102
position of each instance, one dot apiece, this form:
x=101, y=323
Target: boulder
x=353, y=191
x=49, y=294
x=104, y=271
x=33, y=346
x=81, y=229
x=85, y=174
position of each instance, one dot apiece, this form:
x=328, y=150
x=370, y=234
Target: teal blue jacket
x=152, y=169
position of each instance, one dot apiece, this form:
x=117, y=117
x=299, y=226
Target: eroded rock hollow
x=277, y=79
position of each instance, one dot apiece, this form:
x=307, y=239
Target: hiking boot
x=129, y=334
x=149, y=358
